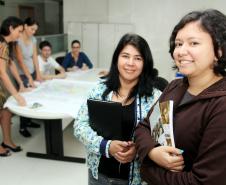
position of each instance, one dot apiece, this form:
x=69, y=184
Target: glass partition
x=59, y=42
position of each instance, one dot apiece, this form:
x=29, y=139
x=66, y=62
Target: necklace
x=121, y=96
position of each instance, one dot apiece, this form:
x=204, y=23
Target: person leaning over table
x=129, y=81
x=27, y=61
x=10, y=31
x=198, y=47
x=76, y=59
x=26, y=53
x=47, y=64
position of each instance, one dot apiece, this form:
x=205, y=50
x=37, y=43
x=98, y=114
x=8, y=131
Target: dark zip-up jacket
x=199, y=130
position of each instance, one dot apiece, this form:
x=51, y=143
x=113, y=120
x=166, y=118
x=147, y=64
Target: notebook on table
x=106, y=118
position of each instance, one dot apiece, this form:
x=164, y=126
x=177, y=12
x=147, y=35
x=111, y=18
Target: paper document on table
x=57, y=96
x=161, y=123
x=91, y=75
x=61, y=90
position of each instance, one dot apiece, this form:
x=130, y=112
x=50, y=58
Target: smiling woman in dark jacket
x=198, y=47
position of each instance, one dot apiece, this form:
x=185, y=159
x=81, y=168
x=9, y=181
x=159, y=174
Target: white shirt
x=47, y=67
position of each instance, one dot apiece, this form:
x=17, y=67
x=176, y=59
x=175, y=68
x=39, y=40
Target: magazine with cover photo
x=161, y=123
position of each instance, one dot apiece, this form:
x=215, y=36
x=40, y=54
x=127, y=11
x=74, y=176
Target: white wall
x=98, y=40
x=152, y=19
x=85, y=11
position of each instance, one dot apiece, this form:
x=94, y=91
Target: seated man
x=76, y=59
x=47, y=64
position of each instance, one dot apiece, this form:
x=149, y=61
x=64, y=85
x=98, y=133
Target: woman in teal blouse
x=130, y=81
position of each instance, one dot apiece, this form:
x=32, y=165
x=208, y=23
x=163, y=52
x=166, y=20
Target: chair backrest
x=60, y=60
x=161, y=83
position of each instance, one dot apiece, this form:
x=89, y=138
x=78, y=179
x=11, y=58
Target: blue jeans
x=104, y=180
x=24, y=121
x=25, y=79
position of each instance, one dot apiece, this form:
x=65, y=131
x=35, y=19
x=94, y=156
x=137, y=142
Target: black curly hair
x=214, y=23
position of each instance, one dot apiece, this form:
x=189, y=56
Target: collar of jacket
x=177, y=88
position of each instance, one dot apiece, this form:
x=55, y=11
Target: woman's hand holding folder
x=122, y=151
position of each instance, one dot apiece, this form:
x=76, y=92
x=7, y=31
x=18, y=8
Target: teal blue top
x=91, y=140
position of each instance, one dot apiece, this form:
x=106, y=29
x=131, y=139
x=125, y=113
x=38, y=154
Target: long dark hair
x=14, y=22
x=10, y=21
x=214, y=23
x=146, y=81
x=29, y=21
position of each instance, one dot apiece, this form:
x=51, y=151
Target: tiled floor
x=18, y=169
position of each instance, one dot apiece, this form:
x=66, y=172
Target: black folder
x=106, y=118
